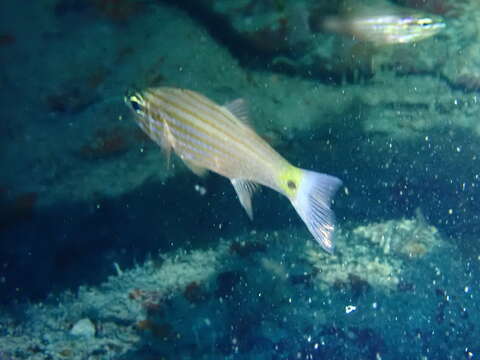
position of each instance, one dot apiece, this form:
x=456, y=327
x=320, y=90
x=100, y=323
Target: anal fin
x=244, y=190
x=197, y=170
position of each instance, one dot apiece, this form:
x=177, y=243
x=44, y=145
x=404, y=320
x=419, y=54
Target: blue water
x=108, y=253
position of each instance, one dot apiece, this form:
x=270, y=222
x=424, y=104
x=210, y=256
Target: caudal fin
x=312, y=202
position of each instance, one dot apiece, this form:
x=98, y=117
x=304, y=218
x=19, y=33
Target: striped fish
x=385, y=24
x=207, y=136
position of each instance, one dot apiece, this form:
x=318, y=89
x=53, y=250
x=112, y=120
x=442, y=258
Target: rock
x=291, y=37
x=83, y=328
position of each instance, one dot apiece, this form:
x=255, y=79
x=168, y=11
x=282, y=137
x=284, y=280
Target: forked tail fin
x=312, y=201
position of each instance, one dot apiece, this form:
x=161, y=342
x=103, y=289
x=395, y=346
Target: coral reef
x=203, y=304
x=120, y=311
x=354, y=262
x=374, y=255
x=247, y=248
x=194, y=293
x=410, y=237
x=464, y=71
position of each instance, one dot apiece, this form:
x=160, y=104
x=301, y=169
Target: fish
x=385, y=25
x=211, y=137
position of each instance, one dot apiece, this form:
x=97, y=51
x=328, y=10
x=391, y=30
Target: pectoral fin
x=244, y=190
x=164, y=139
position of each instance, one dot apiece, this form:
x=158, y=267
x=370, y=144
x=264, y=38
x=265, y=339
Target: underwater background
x=108, y=252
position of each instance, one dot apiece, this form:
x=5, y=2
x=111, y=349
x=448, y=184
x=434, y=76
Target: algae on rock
x=375, y=254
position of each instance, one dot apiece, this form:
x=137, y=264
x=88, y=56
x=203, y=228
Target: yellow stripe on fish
x=207, y=136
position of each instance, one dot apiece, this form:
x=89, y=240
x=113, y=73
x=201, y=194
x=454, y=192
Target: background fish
x=207, y=136
x=386, y=24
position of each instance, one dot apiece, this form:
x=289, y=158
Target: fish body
x=386, y=25
x=207, y=136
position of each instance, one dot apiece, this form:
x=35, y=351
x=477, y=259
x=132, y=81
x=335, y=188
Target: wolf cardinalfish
x=207, y=136
x=385, y=25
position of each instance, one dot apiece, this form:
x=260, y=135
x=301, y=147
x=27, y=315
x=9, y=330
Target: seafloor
x=105, y=253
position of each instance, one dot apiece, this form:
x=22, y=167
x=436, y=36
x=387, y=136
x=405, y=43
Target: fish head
x=417, y=27
x=136, y=102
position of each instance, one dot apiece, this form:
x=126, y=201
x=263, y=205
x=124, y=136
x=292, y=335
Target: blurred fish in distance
x=207, y=136
x=384, y=24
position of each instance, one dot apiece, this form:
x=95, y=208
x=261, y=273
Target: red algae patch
x=117, y=10
x=106, y=143
x=17, y=208
x=7, y=39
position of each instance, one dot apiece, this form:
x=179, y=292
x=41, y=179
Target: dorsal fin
x=239, y=109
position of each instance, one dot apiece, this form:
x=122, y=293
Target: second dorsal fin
x=239, y=109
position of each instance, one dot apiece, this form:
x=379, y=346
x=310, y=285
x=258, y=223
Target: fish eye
x=136, y=103
x=425, y=22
